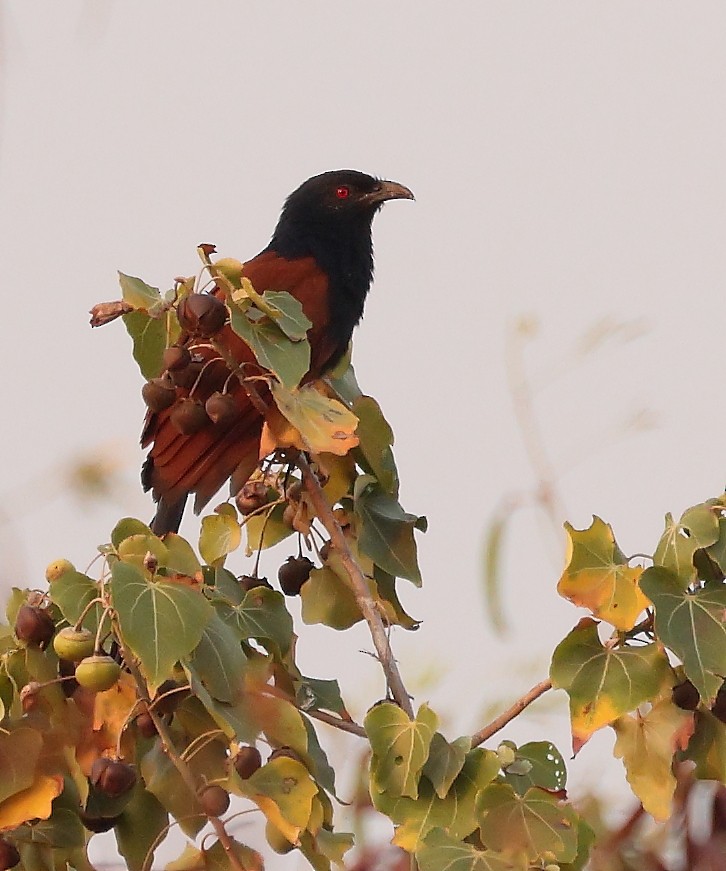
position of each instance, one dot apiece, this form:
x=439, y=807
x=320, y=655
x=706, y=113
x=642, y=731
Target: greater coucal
x=321, y=252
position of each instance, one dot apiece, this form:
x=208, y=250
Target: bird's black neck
x=344, y=251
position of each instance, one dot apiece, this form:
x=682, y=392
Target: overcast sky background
x=568, y=164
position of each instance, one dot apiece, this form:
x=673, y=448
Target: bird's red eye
x=343, y=192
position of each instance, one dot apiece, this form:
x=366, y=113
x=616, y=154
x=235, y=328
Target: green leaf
x=604, y=683
x=291, y=318
x=266, y=529
x=546, y=768
x=221, y=534
x=19, y=752
x=376, y=439
x=325, y=425
x=262, y=616
x=236, y=721
x=692, y=626
x=63, y=830
x=217, y=859
x=400, y=746
x=707, y=747
x=137, y=293
x=385, y=585
x=441, y=852
x=343, y=381
x=142, y=821
x=149, y=336
x=160, y=621
x=72, y=593
x=386, y=531
x=288, y=360
x=219, y=661
x=535, y=823
x=697, y=528
x=585, y=840
x=316, y=694
x=127, y=527
x=445, y=761
x=326, y=599
x=134, y=549
x=180, y=558
x=164, y=781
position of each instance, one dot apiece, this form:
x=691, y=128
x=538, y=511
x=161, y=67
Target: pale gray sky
x=568, y=162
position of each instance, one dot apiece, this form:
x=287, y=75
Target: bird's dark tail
x=168, y=516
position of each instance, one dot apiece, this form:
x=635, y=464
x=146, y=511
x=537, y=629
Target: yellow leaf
x=112, y=707
x=646, y=745
x=598, y=577
x=325, y=425
x=34, y=802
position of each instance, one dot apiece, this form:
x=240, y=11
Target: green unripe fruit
x=98, y=673
x=277, y=840
x=74, y=644
x=231, y=269
x=57, y=569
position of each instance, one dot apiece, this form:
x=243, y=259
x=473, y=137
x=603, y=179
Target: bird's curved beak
x=388, y=190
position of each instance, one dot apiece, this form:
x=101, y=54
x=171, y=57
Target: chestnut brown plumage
x=321, y=253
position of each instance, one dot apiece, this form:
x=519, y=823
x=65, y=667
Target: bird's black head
x=329, y=218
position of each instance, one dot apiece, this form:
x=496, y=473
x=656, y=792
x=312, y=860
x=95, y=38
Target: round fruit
x=246, y=761
x=98, y=673
x=214, y=800
x=146, y=725
x=249, y=582
x=222, y=408
x=231, y=269
x=686, y=696
x=189, y=416
x=74, y=644
x=57, y=569
x=9, y=856
x=251, y=497
x=98, y=824
x=33, y=625
x=158, y=394
x=202, y=314
x=277, y=840
x=176, y=357
x=283, y=753
x=293, y=574
x=112, y=777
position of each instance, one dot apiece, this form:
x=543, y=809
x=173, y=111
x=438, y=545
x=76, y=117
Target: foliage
x=208, y=666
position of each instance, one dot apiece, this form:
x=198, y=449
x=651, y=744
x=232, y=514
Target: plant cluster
x=145, y=693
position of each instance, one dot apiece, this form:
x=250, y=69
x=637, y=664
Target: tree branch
x=336, y=722
x=359, y=584
x=507, y=716
x=181, y=766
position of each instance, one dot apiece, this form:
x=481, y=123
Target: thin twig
x=360, y=586
x=507, y=716
x=337, y=722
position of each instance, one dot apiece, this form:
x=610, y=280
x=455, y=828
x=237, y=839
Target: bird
x=321, y=252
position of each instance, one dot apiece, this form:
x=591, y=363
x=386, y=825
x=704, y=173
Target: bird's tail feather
x=168, y=515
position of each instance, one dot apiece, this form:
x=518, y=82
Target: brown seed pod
x=189, y=416
x=222, y=408
x=146, y=725
x=285, y=753
x=9, y=856
x=251, y=497
x=34, y=625
x=158, y=394
x=112, y=777
x=202, y=314
x=686, y=696
x=214, y=800
x=187, y=377
x=246, y=761
x=293, y=573
x=250, y=582
x=98, y=824
x=176, y=357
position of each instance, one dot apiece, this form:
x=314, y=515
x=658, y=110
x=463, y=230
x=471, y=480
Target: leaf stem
x=337, y=722
x=513, y=711
x=359, y=585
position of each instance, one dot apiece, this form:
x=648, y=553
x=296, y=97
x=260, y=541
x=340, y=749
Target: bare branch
x=507, y=716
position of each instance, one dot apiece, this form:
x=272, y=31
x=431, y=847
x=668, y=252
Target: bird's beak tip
x=392, y=190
